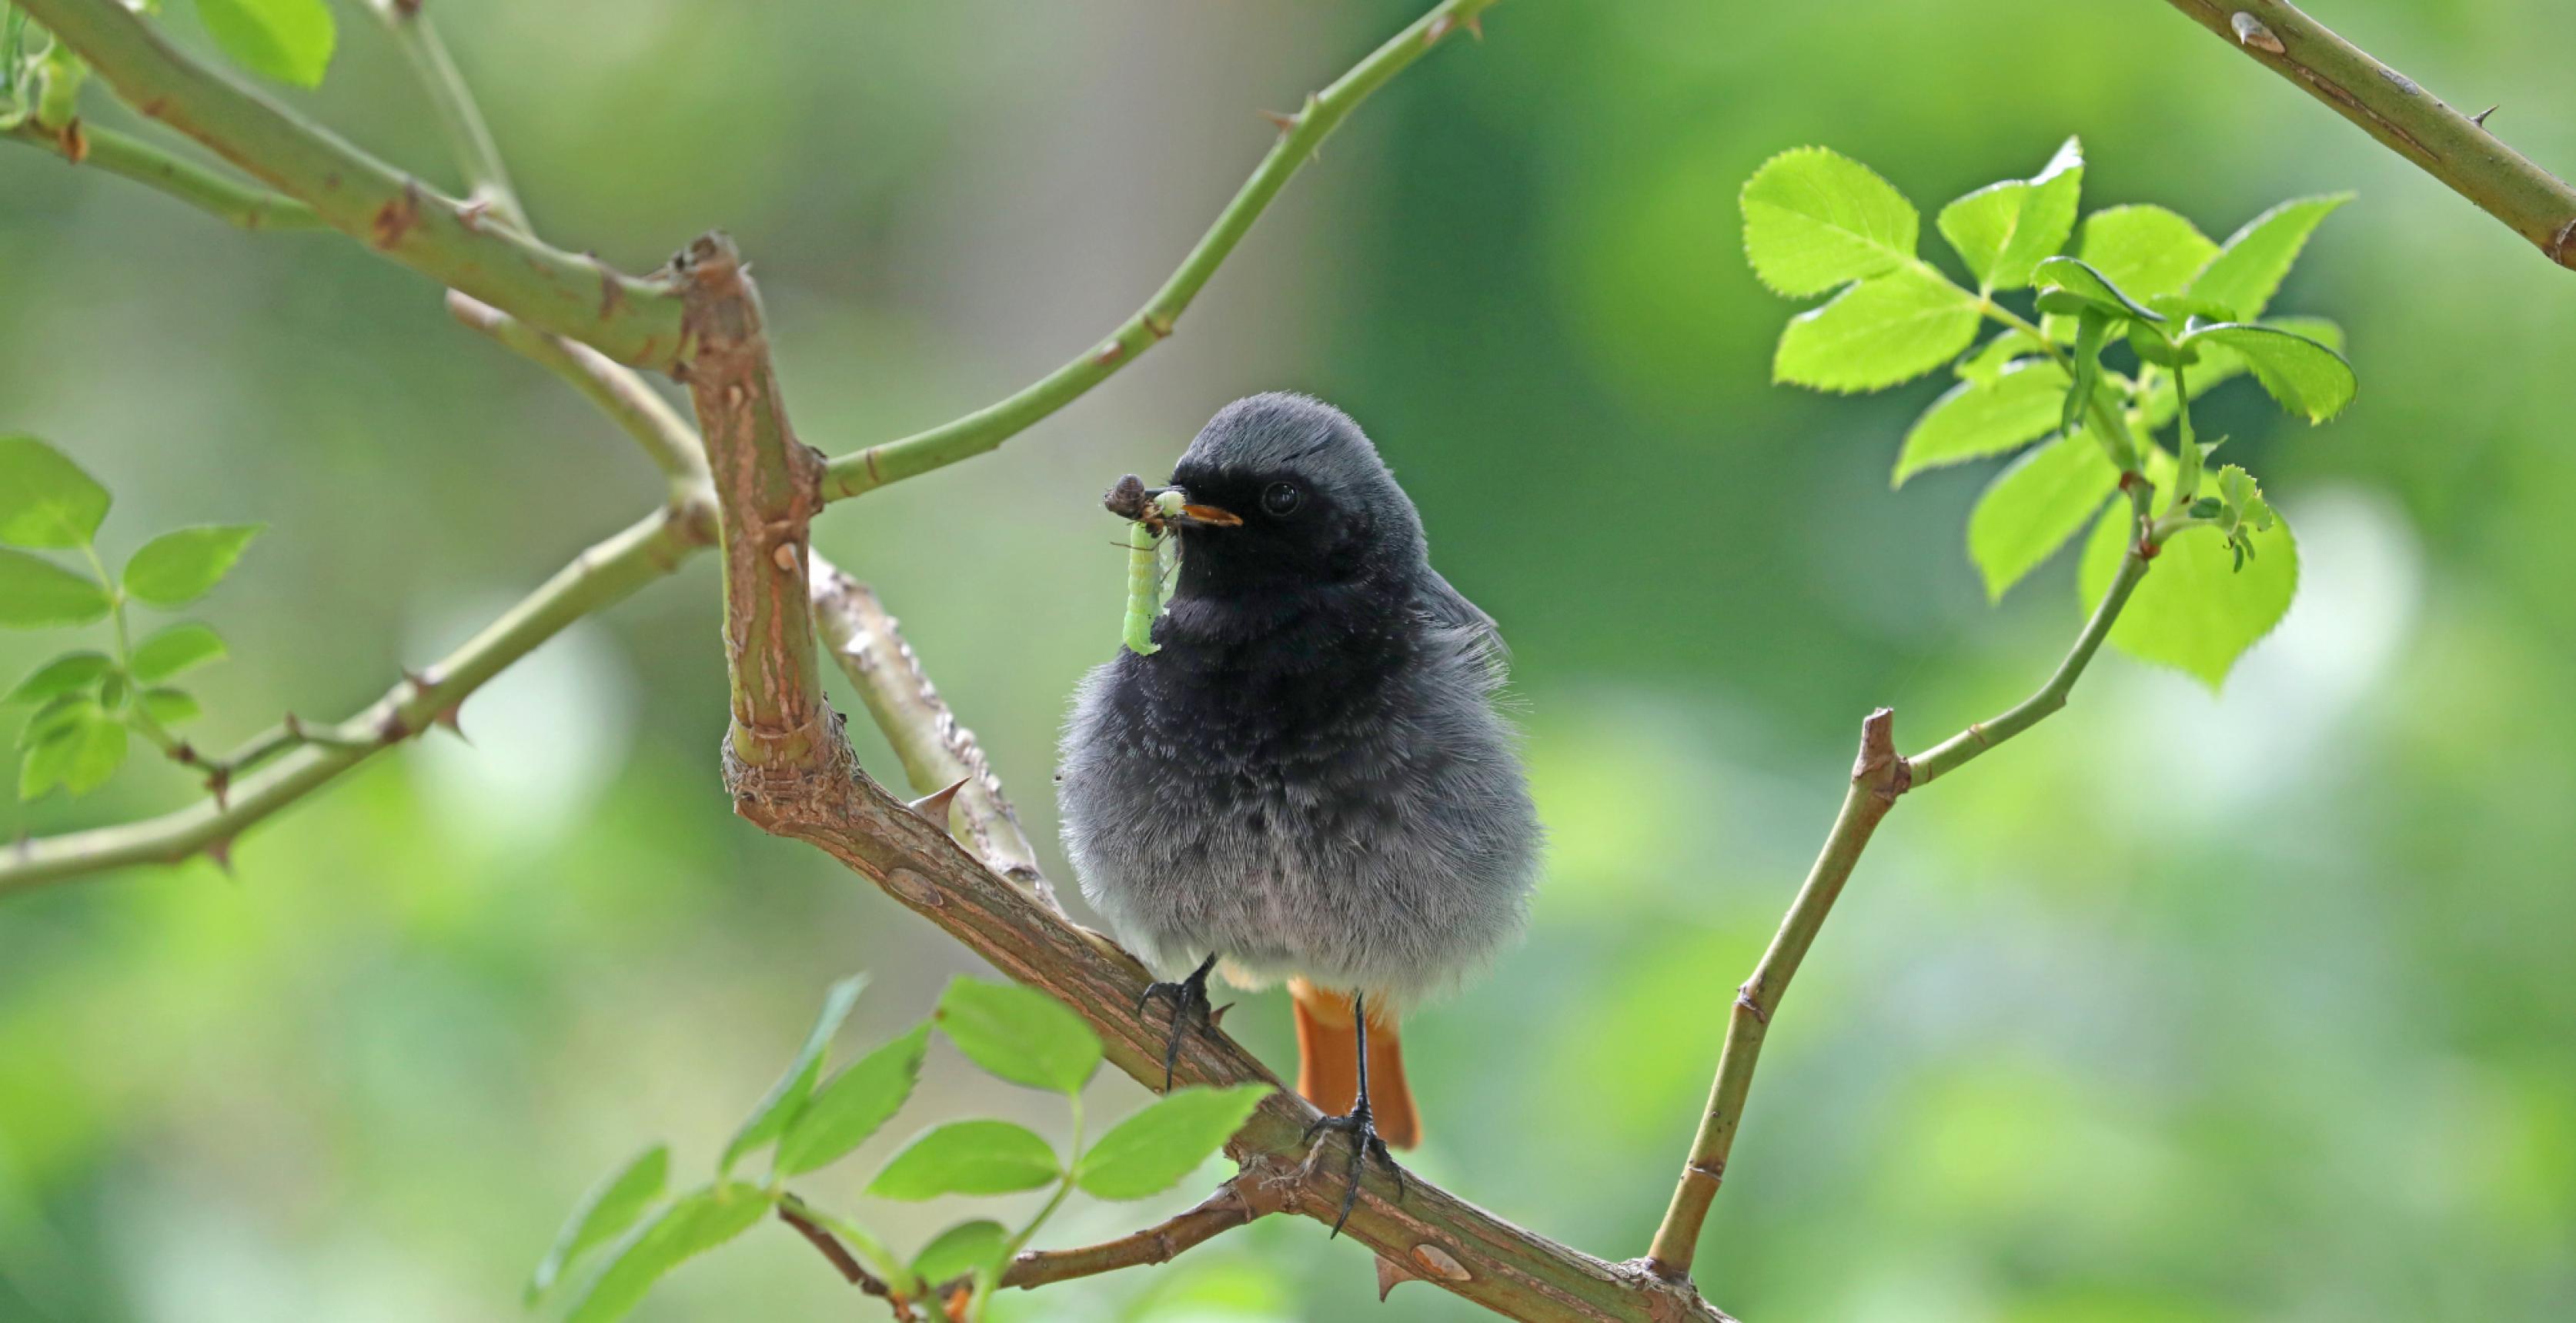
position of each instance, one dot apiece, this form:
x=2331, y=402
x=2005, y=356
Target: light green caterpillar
x=1148, y=585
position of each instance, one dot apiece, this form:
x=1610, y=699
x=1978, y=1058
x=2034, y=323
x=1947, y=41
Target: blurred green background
x=2255, y=1006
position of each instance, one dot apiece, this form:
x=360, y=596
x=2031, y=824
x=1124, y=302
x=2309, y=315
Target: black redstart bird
x=1307, y=779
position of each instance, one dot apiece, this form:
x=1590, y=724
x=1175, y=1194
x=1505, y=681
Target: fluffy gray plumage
x=1309, y=776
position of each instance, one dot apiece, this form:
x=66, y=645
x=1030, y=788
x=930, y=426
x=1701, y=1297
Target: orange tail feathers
x=1328, y=1063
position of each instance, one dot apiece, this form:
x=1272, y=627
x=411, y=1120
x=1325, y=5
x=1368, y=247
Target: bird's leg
x=1189, y=1003
x=1360, y=1126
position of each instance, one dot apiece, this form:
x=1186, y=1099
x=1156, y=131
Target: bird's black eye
x=1281, y=498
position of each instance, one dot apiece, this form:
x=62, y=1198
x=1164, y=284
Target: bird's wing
x=1445, y=605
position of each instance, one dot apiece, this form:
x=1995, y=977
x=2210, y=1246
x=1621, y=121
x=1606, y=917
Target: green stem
x=2404, y=117
x=469, y=138
x=247, y=206
x=990, y=426
x=987, y=1280
x=630, y=320
x=604, y=574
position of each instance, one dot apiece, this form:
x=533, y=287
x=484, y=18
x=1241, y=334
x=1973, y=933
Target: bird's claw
x=1189, y=1004
x=1362, y=1128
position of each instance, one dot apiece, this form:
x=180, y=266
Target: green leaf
x=2034, y=506
x=2144, y=250
x=698, y=1222
x=180, y=648
x=2075, y=277
x=1020, y=1034
x=966, y=1248
x=2302, y=375
x=778, y=1107
x=610, y=1207
x=1877, y=333
x=35, y=593
x=2193, y=611
x=48, y=760
x=1149, y=1152
x=968, y=1157
x=2091, y=328
x=45, y=498
x=288, y=40
x=97, y=748
x=170, y=706
x=852, y=1105
x=62, y=713
x=68, y=674
x=1992, y=357
x=2248, y=268
x=1814, y=219
x=1974, y=419
x=2002, y=230
x=177, y=568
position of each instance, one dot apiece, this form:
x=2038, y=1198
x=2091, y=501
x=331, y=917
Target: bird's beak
x=1197, y=516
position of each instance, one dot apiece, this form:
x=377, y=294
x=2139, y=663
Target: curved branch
x=245, y=205
x=598, y=577
x=1300, y=135
x=2389, y=106
x=630, y=320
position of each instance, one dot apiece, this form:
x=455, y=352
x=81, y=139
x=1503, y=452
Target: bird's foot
x=1190, y=1006
x=1365, y=1144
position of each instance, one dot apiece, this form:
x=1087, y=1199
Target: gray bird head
x=1315, y=503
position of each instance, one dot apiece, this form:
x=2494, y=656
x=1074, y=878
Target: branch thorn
x=934, y=805
x=1390, y=1275
x=2480, y=118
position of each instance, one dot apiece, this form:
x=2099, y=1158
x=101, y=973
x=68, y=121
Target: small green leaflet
x=2193, y=611
x=2302, y=375
x=288, y=40
x=2034, y=506
x=698, y=1222
x=968, y=1157
x=1877, y=333
x=964, y=1249
x=1020, y=1034
x=2002, y=230
x=610, y=1207
x=1151, y=1151
x=2075, y=277
x=179, y=567
x=35, y=593
x=180, y=648
x=1815, y=219
x=853, y=1104
x=45, y=498
x=771, y=1115
x=169, y=707
x=79, y=757
x=67, y=674
x=1975, y=419
x=2144, y=250
x=2248, y=268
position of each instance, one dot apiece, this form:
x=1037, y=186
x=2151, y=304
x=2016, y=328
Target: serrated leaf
x=1990, y=358
x=46, y=500
x=1815, y=219
x=852, y=1105
x=180, y=648
x=1149, y=1152
x=777, y=1108
x=98, y=747
x=964, y=1249
x=1976, y=419
x=2033, y=507
x=35, y=593
x=968, y=1157
x=2002, y=230
x=66, y=674
x=170, y=707
x=2248, y=268
x=1020, y=1034
x=2193, y=611
x=288, y=40
x=698, y=1222
x=608, y=1208
x=1877, y=333
x=2302, y=375
x=2076, y=277
x=2144, y=250
x=179, y=567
